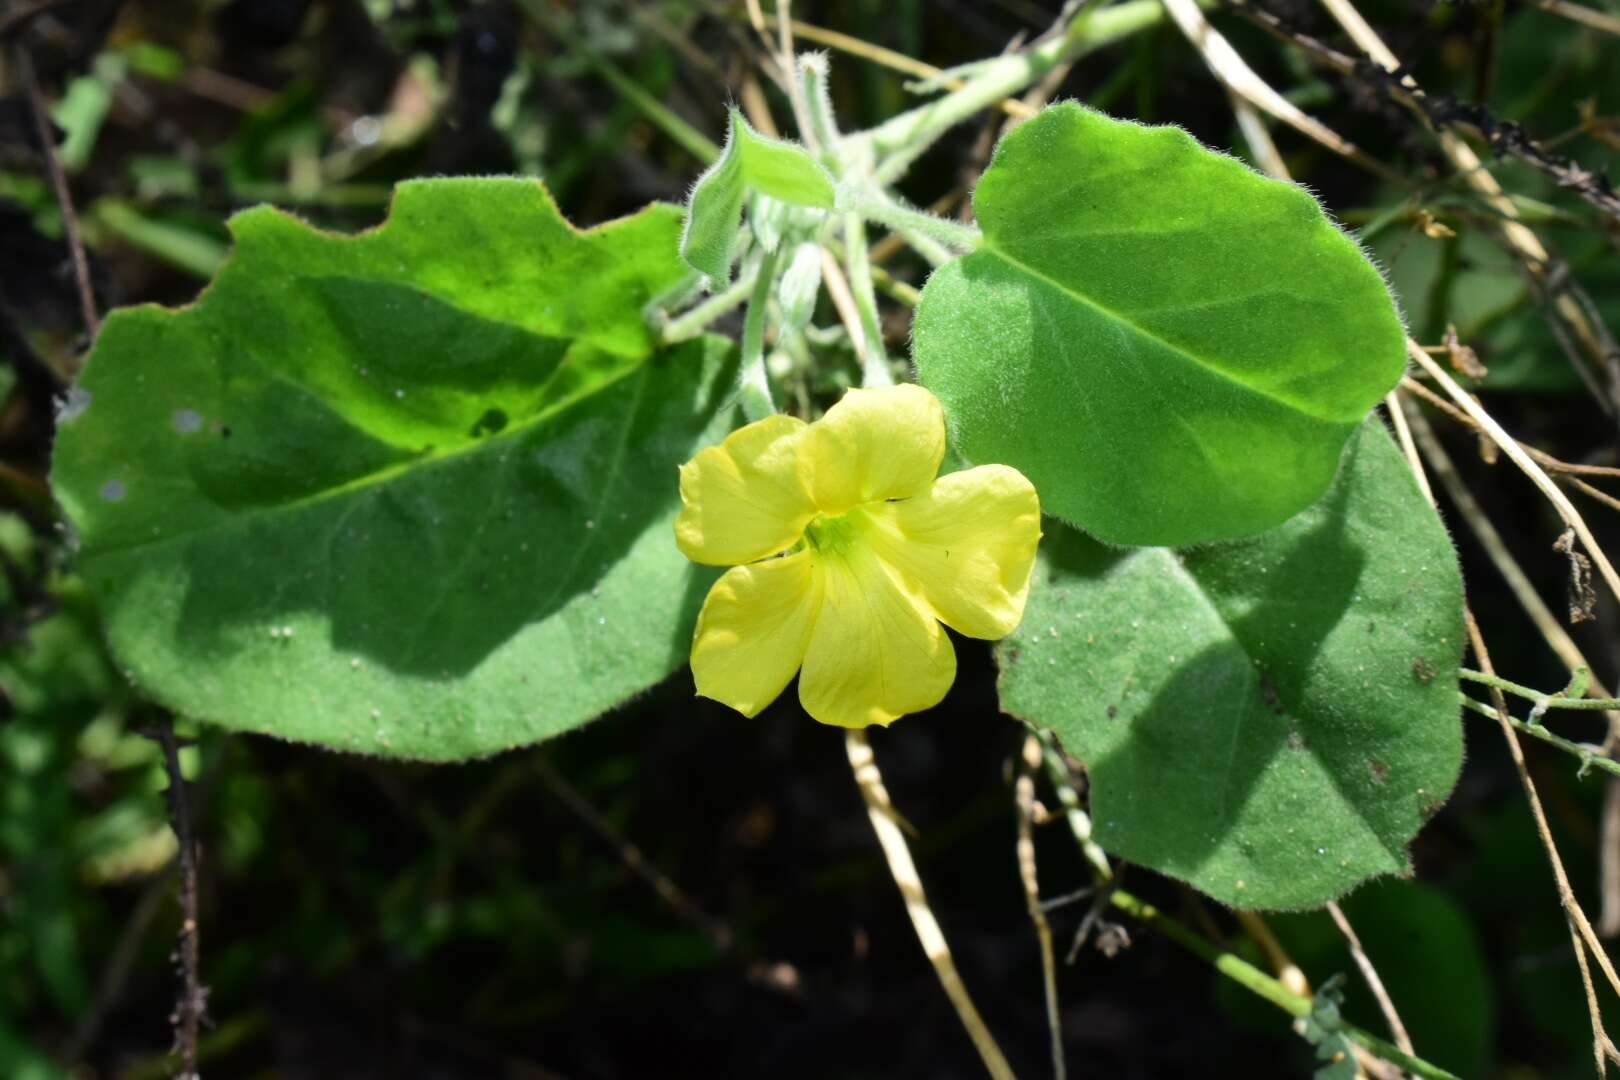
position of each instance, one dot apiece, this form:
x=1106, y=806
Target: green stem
x=1226, y=963
x=1588, y=756
x=858, y=265
x=1079, y=820
x=898, y=217
x=900, y=291
x=818, y=105
x=686, y=136
x=697, y=318
x=1543, y=701
x=896, y=143
x=754, y=386
x=1262, y=985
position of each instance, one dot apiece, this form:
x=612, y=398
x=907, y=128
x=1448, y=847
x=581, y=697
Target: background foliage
x=362, y=917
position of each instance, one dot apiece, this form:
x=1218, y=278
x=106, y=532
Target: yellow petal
x=876, y=653
x=743, y=500
x=968, y=545
x=873, y=445
x=754, y=629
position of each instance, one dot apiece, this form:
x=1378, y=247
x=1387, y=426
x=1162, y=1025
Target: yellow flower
x=851, y=554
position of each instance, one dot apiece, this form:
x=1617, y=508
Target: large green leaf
x=1272, y=719
x=407, y=492
x=1172, y=347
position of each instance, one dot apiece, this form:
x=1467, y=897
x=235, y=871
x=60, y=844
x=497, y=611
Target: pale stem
x=1024, y=797
x=697, y=318
x=874, y=361
x=1473, y=172
x=1228, y=964
x=898, y=854
x=818, y=104
x=898, y=142
x=754, y=386
x=1552, y=631
x=1587, y=754
x=895, y=215
x=1513, y=450
x=1580, y=928
x=1237, y=76
x=1370, y=974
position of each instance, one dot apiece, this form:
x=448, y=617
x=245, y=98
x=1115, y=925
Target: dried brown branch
x=15, y=21
x=192, y=1007
x=64, y=199
x=880, y=811
x=1024, y=796
x=1386, y=1005
x=718, y=933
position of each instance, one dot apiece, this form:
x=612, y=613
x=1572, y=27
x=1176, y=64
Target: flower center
x=831, y=535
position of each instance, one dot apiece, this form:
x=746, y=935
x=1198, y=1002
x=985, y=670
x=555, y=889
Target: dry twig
x=718, y=933
x=192, y=1007
x=880, y=810
x=64, y=199
x=1024, y=796
x=1397, y=1029
x=1510, y=447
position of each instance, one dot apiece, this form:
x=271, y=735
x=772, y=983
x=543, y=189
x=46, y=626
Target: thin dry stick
x=1594, y=492
x=1609, y=861
x=1259, y=139
x=1472, y=169
x=1238, y=77
x=832, y=275
x=1552, y=631
x=718, y=933
x=881, y=812
x=888, y=58
x=1397, y=1030
x=14, y=21
x=192, y=1005
x=1288, y=973
x=1598, y=20
x=59, y=185
x=1461, y=154
x=1557, y=638
x=1580, y=930
x=1403, y=435
x=115, y=975
x=1544, y=459
x=1510, y=446
x=1518, y=583
x=795, y=87
x=1024, y=796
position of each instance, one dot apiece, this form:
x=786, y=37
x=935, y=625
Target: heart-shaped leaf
x=1171, y=346
x=1271, y=720
x=407, y=492
x=750, y=162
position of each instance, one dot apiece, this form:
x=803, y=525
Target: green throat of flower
x=832, y=535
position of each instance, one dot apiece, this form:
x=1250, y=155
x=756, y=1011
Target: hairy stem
x=754, y=386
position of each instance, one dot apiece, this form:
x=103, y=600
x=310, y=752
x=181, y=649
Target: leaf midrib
x=379, y=477
x=990, y=248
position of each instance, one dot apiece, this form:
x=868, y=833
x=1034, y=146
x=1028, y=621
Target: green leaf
x=1271, y=720
x=407, y=492
x=751, y=162
x=1172, y=347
